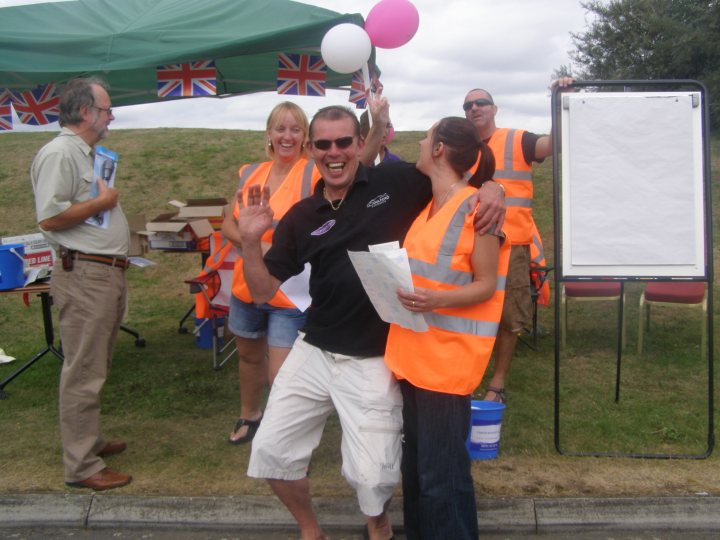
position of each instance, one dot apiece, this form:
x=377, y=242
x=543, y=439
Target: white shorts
x=369, y=403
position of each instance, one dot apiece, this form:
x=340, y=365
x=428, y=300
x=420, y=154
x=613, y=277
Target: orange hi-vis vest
x=515, y=174
x=537, y=259
x=451, y=357
x=222, y=261
x=298, y=184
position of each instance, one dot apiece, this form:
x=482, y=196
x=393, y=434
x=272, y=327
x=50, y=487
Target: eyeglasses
x=482, y=102
x=342, y=143
x=108, y=110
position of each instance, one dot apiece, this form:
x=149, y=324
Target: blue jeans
x=252, y=321
x=438, y=491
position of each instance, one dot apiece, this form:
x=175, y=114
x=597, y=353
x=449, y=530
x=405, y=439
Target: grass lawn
x=176, y=412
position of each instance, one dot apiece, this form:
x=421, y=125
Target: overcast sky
x=508, y=47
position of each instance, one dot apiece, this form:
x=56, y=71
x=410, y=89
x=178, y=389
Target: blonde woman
x=264, y=333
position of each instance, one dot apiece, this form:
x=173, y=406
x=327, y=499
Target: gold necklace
x=335, y=208
x=447, y=193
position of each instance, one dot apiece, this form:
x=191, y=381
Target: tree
x=652, y=39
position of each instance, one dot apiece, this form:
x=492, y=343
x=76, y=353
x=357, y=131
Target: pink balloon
x=392, y=23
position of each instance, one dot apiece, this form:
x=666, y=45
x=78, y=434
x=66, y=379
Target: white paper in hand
x=297, y=289
x=383, y=270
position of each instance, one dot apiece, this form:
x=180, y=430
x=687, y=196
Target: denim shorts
x=280, y=325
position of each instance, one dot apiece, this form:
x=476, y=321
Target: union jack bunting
x=186, y=80
x=5, y=110
x=301, y=74
x=37, y=107
x=357, y=87
x=357, y=90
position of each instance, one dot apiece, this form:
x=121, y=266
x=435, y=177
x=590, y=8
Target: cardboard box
x=171, y=242
x=38, y=252
x=169, y=231
x=200, y=208
x=138, y=242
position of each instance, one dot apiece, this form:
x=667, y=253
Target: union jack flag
x=301, y=74
x=357, y=90
x=5, y=110
x=37, y=107
x=357, y=87
x=186, y=80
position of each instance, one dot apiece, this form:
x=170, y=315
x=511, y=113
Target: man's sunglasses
x=342, y=143
x=482, y=102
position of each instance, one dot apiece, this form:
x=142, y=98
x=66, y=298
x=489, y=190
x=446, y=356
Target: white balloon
x=346, y=48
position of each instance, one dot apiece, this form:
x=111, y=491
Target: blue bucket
x=12, y=266
x=204, y=332
x=485, y=420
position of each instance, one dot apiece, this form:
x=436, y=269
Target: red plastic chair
x=590, y=291
x=692, y=294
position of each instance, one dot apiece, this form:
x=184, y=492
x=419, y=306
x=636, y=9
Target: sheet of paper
x=5, y=358
x=141, y=262
x=36, y=273
x=297, y=289
x=387, y=246
x=382, y=271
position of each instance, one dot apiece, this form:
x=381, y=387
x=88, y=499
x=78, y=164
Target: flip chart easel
x=632, y=198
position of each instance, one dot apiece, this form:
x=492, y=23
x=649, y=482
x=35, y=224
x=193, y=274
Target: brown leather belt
x=118, y=262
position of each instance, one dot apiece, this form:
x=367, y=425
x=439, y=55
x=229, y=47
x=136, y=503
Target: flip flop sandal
x=500, y=396
x=252, y=426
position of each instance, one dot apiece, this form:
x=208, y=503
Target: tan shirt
x=61, y=175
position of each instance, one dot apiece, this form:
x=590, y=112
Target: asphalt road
x=46, y=533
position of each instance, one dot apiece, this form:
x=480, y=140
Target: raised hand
x=378, y=105
x=256, y=216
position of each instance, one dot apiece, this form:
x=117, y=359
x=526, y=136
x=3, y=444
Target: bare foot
x=379, y=527
x=318, y=534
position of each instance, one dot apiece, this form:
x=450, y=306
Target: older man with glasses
x=89, y=287
x=515, y=151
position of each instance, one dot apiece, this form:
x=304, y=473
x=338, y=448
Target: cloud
x=511, y=48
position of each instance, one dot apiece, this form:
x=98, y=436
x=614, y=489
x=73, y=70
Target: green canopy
x=124, y=41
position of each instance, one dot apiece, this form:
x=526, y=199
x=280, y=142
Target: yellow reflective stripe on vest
x=441, y=272
x=246, y=173
x=461, y=325
x=539, y=258
x=520, y=202
x=305, y=187
x=507, y=171
x=307, y=179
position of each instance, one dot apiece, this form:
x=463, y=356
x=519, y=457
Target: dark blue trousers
x=438, y=491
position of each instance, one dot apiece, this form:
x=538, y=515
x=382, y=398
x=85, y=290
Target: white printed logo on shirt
x=377, y=201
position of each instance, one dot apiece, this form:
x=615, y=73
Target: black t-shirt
x=380, y=206
x=528, y=142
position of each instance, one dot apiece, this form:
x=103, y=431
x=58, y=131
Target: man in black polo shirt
x=337, y=361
